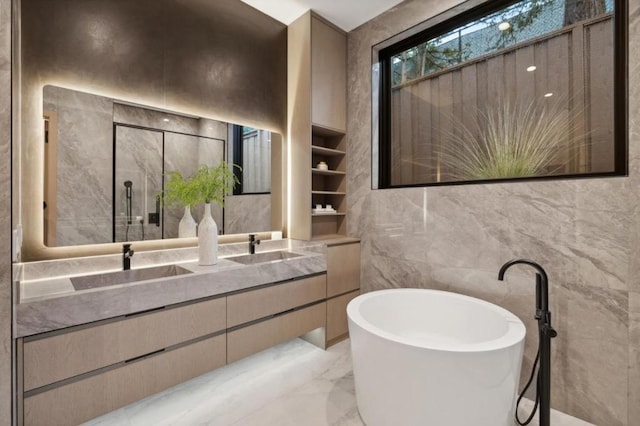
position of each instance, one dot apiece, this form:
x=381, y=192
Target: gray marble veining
x=50, y=304
x=6, y=281
x=138, y=160
x=634, y=355
x=247, y=213
x=84, y=148
x=84, y=134
x=586, y=233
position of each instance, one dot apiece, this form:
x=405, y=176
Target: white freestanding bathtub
x=434, y=358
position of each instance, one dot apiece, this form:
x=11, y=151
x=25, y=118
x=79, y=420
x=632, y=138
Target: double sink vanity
x=98, y=338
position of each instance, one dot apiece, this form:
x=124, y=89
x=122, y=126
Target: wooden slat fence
x=574, y=63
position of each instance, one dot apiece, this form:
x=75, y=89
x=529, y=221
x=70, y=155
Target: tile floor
x=292, y=384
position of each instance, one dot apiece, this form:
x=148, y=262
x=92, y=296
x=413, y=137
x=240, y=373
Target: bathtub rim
x=514, y=335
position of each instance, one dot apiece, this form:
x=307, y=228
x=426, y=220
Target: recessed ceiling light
x=548, y=95
x=531, y=68
x=165, y=120
x=504, y=26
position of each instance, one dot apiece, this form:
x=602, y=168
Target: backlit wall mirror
x=107, y=161
x=524, y=89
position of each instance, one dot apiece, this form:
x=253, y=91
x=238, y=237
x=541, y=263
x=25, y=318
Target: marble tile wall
x=139, y=160
x=84, y=166
x=6, y=303
x=85, y=157
x=586, y=233
x=634, y=356
x=247, y=213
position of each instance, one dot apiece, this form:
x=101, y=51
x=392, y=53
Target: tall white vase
x=187, y=226
x=207, y=239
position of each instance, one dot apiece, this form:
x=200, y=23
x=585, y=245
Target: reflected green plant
x=179, y=191
x=214, y=183
x=208, y=184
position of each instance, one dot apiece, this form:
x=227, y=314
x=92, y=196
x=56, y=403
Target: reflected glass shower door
x=137, y=183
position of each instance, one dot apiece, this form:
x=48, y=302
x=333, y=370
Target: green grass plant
x=510, y=141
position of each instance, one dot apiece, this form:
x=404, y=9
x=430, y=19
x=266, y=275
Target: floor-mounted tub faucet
x=545, y=333
x=127, y=252
x=253, y=242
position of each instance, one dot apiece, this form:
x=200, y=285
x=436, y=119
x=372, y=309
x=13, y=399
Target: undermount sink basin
x=270, y=256
x=126, y=277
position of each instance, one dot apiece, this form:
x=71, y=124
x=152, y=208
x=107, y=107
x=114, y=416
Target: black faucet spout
x=253, y=242
x=127, y=252
x=542, y=283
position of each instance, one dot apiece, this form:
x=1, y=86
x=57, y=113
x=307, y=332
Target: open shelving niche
x=328, y=186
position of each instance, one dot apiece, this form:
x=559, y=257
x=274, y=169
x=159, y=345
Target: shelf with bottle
x=317, y=171
x=328, y=184
x=328, y=214
x=336, y=193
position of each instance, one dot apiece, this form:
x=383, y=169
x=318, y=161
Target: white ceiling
x=346, y=14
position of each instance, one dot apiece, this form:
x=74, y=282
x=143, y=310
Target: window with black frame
x=506, y=90
x=252, y=152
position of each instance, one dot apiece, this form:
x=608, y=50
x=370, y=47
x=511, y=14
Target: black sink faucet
x=253, y=242
x=127, y=252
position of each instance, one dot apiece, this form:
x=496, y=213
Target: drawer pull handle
x=144, y=312
x=144, y=356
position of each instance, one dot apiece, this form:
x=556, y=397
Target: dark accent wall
x=218, y=59
x=221, y=57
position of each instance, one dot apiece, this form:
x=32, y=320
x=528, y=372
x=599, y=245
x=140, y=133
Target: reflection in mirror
x=505, y=90
x=250, y=146
x=142, y=157
x=105, y=168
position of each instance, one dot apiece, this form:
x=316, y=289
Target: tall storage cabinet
x=317, y=82
x=317, y=123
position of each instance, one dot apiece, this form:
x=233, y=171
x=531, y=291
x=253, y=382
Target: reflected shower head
x=128, y=183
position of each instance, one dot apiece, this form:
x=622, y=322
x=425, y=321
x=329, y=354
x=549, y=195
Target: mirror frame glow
x=32, y=204
x=83, y=202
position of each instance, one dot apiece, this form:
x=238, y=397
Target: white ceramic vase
x=207, y=239
x=187, y=227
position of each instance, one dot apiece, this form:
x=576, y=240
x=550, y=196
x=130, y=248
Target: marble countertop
x=48, y=300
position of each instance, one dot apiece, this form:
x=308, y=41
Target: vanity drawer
x=254, y=338
x=337, y=324
x=93, y=396
x=256, y=304
x=343, y=269
x=65, y=355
